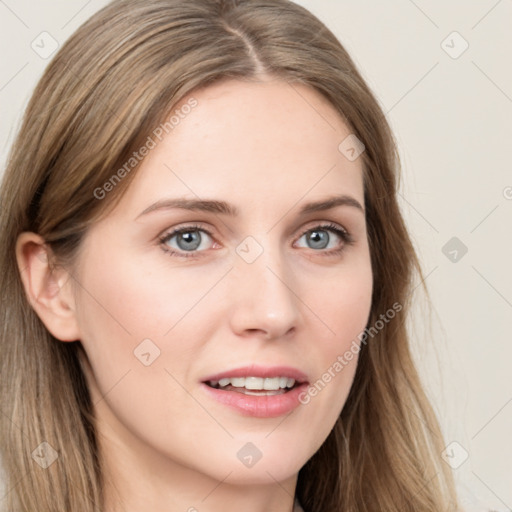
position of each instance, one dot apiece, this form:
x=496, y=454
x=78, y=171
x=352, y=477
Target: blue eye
x=188, y=241
x=319, y=238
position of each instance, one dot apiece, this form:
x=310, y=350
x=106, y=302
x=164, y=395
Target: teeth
x=238, y=382
x=256, y=383
x=272, y=384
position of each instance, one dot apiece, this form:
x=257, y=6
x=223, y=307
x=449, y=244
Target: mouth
x=255, y=386
x=257, y=391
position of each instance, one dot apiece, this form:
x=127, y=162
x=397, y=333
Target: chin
x=256, y=466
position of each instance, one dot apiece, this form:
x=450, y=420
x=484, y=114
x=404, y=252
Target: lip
x=265, y=406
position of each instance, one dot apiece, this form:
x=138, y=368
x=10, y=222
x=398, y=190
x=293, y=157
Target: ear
x=48, y=289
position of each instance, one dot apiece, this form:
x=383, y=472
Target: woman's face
x=259, y=284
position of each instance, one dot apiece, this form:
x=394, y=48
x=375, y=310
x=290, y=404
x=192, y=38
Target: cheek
x=139, y=324
x=135, y=374
x=136, y=299
x=122, y=314
x=343, y=306
x=342, y=303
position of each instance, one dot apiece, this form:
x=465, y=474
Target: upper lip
x=261, y=371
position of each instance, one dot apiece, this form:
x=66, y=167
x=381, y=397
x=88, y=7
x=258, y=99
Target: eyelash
x=342, y=233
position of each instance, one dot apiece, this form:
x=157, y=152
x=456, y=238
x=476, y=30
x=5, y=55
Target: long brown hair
x=109, y=86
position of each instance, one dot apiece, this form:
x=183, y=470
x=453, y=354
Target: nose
x=264, y=301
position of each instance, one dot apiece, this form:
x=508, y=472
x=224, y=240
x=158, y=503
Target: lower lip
x=264, y=406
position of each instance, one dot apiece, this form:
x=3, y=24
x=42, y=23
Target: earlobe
x=48, y=289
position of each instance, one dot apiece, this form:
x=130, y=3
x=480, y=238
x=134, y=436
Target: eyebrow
x=222, y=207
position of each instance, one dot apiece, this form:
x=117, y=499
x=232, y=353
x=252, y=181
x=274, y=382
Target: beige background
x=450, y=111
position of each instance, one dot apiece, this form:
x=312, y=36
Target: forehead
x=248, y=142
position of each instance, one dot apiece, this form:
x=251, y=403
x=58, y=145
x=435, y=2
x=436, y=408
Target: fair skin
x=167, y=443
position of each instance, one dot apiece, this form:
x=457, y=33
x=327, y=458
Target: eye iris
x=319, y=238
x=191, y=240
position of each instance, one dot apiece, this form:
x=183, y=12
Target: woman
x=206, y=275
